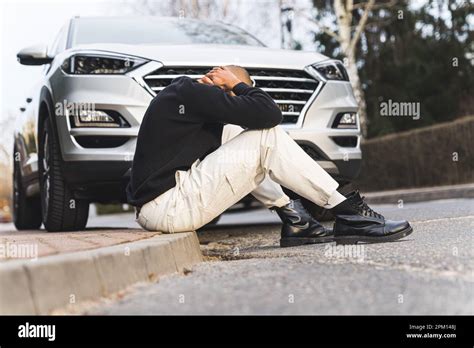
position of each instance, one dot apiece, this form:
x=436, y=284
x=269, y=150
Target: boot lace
x=368, y=210
x=301, y=208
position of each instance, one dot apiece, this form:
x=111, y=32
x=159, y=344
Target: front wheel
x=60, y=210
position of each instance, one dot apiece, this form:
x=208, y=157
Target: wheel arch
x=30, y=179
x=45, y=110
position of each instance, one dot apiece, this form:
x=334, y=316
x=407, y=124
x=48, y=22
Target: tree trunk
x=358, y=92
x=344, y=23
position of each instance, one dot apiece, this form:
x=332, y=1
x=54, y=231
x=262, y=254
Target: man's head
x=241, y=73
x=226, y=77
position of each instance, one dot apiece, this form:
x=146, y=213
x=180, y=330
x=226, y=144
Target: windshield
x=149, y=30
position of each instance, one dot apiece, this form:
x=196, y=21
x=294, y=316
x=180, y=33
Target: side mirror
x=34, y=55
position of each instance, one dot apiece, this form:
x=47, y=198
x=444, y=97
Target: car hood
x=213, y=55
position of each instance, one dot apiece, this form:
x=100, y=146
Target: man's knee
x=230, y=131
x=270, y=136
x=259, y=138
x=276, y=130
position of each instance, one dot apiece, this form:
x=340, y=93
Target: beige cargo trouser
x=252, y=161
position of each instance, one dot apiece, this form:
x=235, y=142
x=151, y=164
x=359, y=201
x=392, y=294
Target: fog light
x=94, y=118
x=345, y=120
x=348, y=119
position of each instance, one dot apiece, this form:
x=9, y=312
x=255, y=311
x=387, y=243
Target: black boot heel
x=295, y=241
x=346, y=240
x=299, y=227
x=291, y=242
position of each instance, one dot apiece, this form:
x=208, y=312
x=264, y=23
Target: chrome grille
x=290, y=89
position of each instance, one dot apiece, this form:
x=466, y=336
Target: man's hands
x=222, y=78
x=206, y=80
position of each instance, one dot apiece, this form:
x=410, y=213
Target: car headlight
x=332, y=70
x=100, y=64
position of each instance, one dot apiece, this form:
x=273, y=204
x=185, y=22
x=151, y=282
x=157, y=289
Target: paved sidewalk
x=64, y=242
x=43, y=272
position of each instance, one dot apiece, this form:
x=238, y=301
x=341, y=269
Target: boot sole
x=390, y=238
x=291, y=242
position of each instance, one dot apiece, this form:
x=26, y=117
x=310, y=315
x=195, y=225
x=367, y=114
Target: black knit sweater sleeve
x=250, y=107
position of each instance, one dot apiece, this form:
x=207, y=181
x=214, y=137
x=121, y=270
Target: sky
x=26, y=23
x=22, y=24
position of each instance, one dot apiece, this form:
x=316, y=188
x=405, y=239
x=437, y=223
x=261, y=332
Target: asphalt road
x=429, y=272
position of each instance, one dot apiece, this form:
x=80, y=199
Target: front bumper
x=120, y=93
x=317, y=134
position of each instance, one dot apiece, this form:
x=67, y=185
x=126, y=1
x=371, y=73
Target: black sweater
x=183, y=123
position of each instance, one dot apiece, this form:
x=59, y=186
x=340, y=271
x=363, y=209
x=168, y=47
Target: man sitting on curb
x=183, y=176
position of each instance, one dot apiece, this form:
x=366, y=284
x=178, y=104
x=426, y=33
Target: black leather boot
x=357, y=222
x=299, y=227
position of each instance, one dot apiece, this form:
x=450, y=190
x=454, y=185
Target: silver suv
x=76, y=135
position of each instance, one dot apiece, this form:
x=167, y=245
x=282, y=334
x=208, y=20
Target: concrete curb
x=54, y=282
x=421, y=194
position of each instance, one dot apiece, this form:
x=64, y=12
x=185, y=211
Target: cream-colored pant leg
x=235, y=169
x=269, y=193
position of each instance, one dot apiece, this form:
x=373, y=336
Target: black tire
x=60, y=210
x=26, y=210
